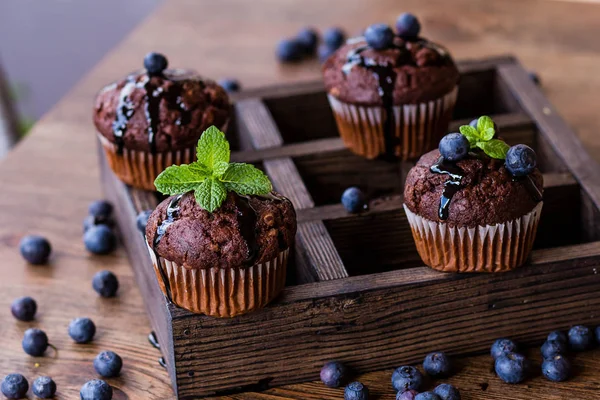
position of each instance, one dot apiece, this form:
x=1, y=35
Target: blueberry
x=308, y=38
x=474, y=123
x=597, y=331
x=556, y=369
x=24, y=308
x=454, y=147
x=379, y=36
x=142, y=220
x=520, y=160
x=96, y=389
x=333, y=374
x=82, y=330
x=406, y=377
x=44, y=387
x=559, y=336
x=407, y=26
x=155, y=63
x=511, y=367
x=353, y=199
x=502, y=347
x=91, y=221
x=409, y=394
x=105, y=283
x=427, y=396
x=35, y=342
x=289, y=50
x=447, y=392
x=534, y=77
x=35, y=249
x=437, y=364
x=325, y=52
x=334, y=38
x=552, y=348
x=356, y=391
x=100, y=239
x=580, y=338
x=230, y=85
x=108, y=364
x=101, y=209
x=15, y=386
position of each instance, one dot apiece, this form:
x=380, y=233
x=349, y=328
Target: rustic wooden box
x=357, y=290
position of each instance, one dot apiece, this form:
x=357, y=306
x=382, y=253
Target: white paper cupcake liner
x=490, y=248
x=418, y=127
x=221, y=292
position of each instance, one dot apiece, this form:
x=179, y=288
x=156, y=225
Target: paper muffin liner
x=221, y=292
x=490, y=248
x=418, y=127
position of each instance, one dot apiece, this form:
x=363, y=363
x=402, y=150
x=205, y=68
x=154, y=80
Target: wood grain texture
x=52, y=175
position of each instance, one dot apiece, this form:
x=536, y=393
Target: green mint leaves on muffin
x=482, y=137
x=212, y=176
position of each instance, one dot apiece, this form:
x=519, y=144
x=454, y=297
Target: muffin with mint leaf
x=154, y=117
x=474, y=204
x=220, y=243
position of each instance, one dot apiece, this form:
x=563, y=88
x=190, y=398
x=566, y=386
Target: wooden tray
x=357, y=290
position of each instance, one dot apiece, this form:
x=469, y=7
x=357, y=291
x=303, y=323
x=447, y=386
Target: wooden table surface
x=49, y=179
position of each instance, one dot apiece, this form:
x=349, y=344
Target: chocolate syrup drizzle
x=246, y=217
x=154, y=95
x=451, y=186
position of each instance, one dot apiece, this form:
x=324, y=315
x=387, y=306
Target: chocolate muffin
x=153, y=118
x=391, y=95
x=474, y=214
x=222, y=263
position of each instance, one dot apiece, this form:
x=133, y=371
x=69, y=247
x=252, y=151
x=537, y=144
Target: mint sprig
x=212, y=176
x=482, y=138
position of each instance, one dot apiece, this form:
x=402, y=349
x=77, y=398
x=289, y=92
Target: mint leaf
x=484, y=123
x=180, y=179
x=494, y=148
x=245, y=179
x=471, y=134
x=210, y=194
x=220, y=168
x=212, y=148
x=487, y=134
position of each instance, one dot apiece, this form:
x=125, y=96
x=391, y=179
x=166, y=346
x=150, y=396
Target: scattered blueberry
x=379, y=36
x=512, y=367
x=142, y=220
x=96, y=389
x=520, y=160
x=44, y=387
x=334, y=38
x=35, y=342
x=100, y=239
x=35, y=249
x=454, y=146
x=427, y=396
x=580, y=338
x=409, y=394
x=559, y=336
x=597, y=331
x=408, y=26
x=502, y=347
x=552, y=348
x=534, y=77
x=155, y=64
x=556, y=369
x=325, y=52
x=353, y=199
x=308, y=38
x=82, y=330
x=356, y=391
x=437, y=364
x=90, y=221
x=447, y=392
x=473, y=123
x=289, y=50
x=333, y=374
x=15, y=386
x=230, y=85
x=101, y=209
x=24, y=308
x=108, y=364
x=406, y=377
x=105, y=283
